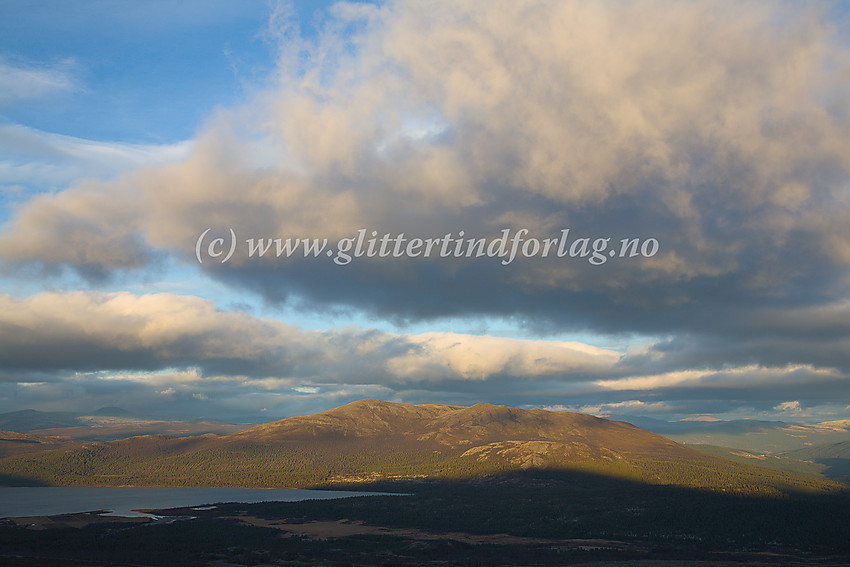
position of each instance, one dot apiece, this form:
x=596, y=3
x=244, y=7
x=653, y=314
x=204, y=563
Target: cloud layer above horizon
x=720, y=129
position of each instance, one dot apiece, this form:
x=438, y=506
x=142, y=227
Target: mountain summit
x=522, y=436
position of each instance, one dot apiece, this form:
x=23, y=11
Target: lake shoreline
x=27, y=502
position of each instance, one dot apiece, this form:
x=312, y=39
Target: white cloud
x=737, y=377
x=154, y=378
x=447, y=355
x=628, y=406
x=793, y=408
x=29, y=81
x=606, y=409
x=185, y=340
x=44, y=161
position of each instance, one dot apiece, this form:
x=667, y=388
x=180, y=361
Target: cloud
x=730, y=378
x=789, y=406
x=185, y=340
x=720, y=129
x=629, y=407
x=173, y=355
x=20, y=81
x=132, y=350
x=777, y=335
x=479, y=358
x=43, y=161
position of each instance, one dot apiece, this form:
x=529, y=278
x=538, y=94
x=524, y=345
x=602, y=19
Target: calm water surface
x=16, y=502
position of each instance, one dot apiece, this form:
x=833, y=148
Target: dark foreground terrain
x=525, y=518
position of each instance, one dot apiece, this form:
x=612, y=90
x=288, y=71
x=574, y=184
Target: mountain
x=835, y=457
x=779, y=462
x=111, y=429
x=106, y=424
x=829, y=451
x=112, y=411
x=13, y=443
x=522, y=437
x=748, y=434
x=29, y=420
x=371, y=440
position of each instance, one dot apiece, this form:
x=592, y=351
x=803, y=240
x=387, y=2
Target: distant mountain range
x=834, y=457
x=831, y=460
x=749, y=435
x=30, y=420
x=371, y=440
x=113, y=423
x=106, y=424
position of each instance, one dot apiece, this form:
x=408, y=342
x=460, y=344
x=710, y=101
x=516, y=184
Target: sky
x=630, y=207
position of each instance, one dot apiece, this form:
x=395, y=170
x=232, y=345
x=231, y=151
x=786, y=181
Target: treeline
x=240, y=466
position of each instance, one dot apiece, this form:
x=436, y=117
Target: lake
x=17, y=502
